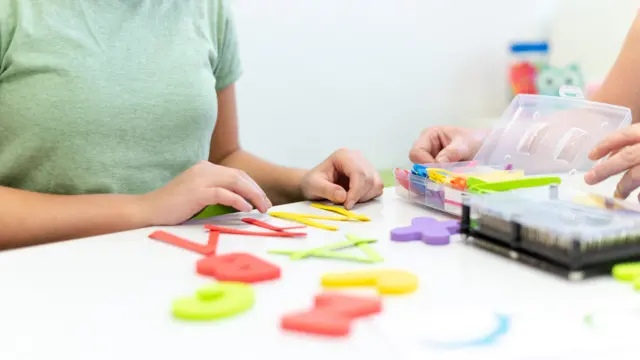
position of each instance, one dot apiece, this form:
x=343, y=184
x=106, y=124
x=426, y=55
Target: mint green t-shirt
x=109, y=96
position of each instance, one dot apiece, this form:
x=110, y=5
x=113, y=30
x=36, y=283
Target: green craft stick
x=627, y=272
x=305, y=253
x=328, y=255
x=515, y=184
x=362, y=245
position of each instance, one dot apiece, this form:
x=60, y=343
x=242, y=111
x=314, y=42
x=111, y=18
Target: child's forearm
x=281, y=184
x=622, y=85
x=28, y=218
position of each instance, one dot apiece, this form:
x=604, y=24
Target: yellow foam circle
x=389, y=282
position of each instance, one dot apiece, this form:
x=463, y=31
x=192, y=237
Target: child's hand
x=203, y=184
x=445, y=144
x=345, y=177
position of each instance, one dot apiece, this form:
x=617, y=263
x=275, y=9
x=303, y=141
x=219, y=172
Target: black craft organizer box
x=572, y=260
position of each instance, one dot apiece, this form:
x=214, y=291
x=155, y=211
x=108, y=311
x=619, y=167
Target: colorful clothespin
x=438, y=175
x=306, y=218
x=330, y=251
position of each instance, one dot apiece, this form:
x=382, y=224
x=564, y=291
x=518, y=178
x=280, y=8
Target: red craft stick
x=254, y=233
x=212, y=244
x=267, y=226
x=180, y=242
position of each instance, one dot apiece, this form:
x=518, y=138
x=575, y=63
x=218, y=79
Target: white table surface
x=109, y=297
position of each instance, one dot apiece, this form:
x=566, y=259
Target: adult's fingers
x=629, y=182
x=222, y=196
x=425, y=148
x=458, y=150
x=623, y=160
x=463, y=146
x=615, y=142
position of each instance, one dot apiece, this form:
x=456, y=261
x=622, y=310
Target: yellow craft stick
x=306, y=218
x=341, y=211
x=303, y=220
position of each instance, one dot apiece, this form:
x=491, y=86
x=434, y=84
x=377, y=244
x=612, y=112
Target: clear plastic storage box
x=537, y=135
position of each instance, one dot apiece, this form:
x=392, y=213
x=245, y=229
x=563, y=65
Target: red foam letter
x=240, y=267
x=332, y=314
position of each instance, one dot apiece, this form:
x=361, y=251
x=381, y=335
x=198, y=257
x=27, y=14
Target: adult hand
x=445, y=144
x=345, y=177
x=624, y=149
x=203, y=184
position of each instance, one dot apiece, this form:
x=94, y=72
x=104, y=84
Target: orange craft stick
x=180, y=242
x=254, y=233
x=267, y=226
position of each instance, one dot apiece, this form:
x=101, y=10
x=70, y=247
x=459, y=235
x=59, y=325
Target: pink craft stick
x=254, y=233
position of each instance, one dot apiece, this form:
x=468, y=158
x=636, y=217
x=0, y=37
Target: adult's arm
x=281, y=184
x=29, y=218
x=622, y=85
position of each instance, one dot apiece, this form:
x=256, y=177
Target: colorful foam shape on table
x=332, y=314
x=626, y=272
x=238, y=267
x=216, y=301
x=387, y=282
x=428, y=230
x=174, y=240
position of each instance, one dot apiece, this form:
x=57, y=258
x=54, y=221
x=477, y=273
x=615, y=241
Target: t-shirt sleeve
x=227, y=68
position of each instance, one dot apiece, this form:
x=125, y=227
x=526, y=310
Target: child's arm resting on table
x=29, y=218
x=622, y=85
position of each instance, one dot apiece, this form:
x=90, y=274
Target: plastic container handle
x=568, y=91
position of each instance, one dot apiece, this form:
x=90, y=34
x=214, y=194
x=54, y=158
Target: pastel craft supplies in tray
x=542, y=136
x=556, y=228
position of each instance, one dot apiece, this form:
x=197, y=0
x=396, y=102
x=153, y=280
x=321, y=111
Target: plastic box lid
x=548, y=134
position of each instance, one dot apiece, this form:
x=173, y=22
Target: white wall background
x=370, y=74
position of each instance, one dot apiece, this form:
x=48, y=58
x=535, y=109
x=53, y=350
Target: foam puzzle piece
x=428, y=230
x=348, y=305
x=626, y=272
x=389, y=282
x=332, y=314
x=239, y=267
x=216, y=301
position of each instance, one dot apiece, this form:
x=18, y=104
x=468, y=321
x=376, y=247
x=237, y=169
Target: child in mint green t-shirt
x=122, y=114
